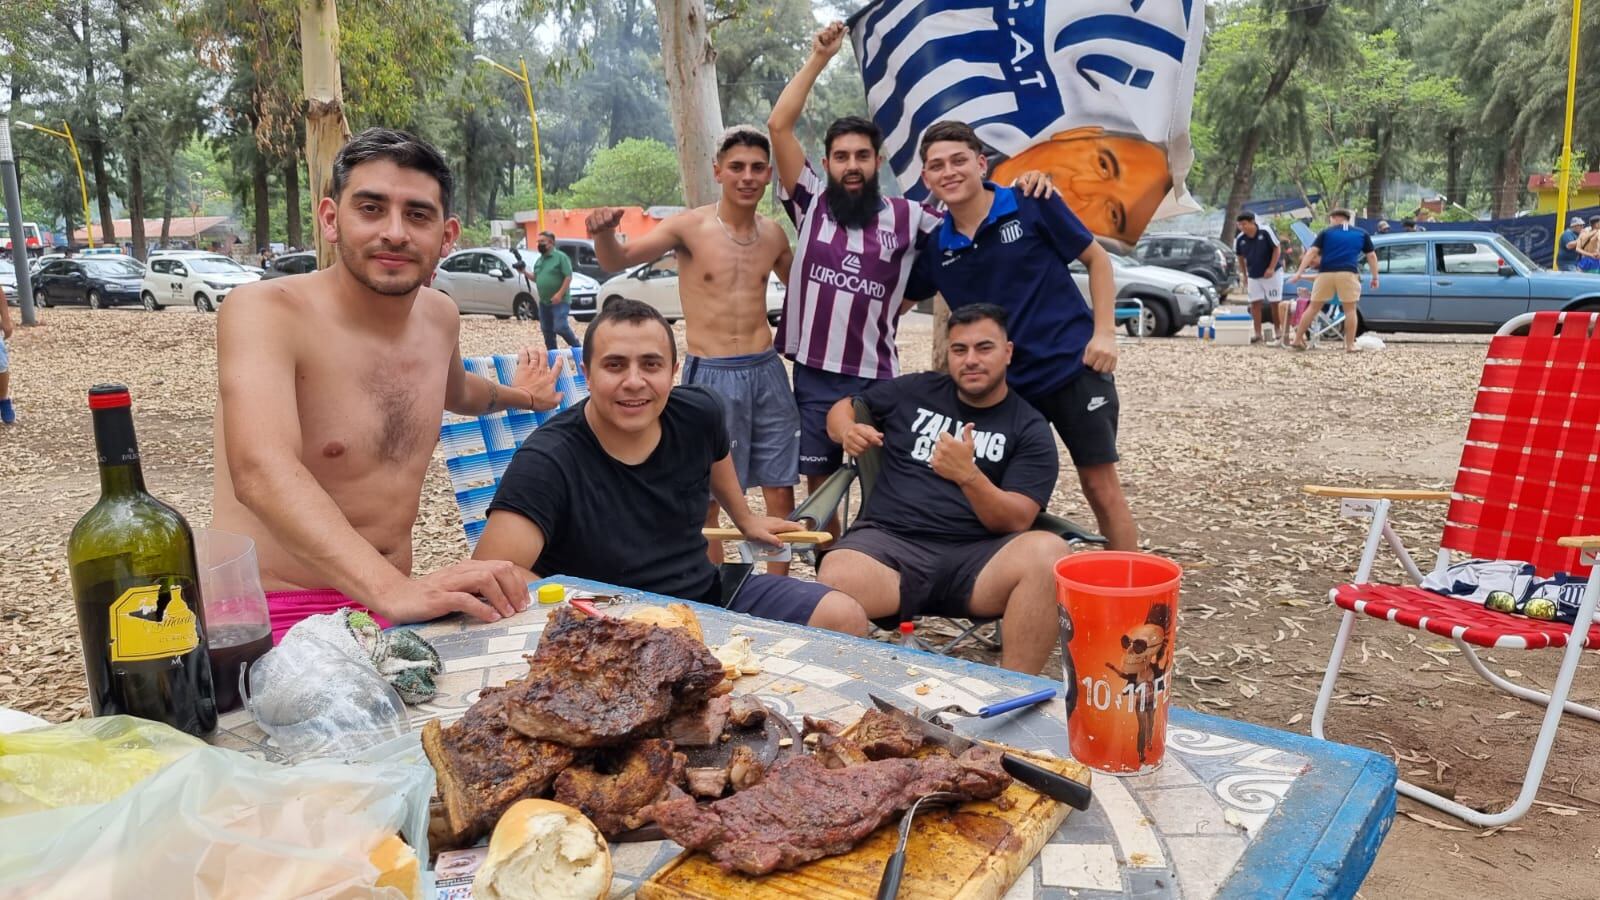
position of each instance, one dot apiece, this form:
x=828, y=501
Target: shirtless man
x=725, y=252
x=331, y=388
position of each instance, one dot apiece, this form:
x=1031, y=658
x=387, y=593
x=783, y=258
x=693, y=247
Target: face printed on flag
x=1095, y=93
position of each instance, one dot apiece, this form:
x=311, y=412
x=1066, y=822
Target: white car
x=486, y=280
x=656, y=283
x=203, y=279
x=1172, y=299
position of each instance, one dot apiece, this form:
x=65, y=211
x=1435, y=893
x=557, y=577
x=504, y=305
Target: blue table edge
x=1352, y=794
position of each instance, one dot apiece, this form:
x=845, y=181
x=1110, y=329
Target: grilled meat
x=880, y=736
x=612, y=800
x=744, y=768
x=602, y=682
x=699, y=726
x=483, y=766
x=709, y=782
x=802, y=811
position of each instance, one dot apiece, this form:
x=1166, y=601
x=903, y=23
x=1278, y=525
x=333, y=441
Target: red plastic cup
x=1118, y=617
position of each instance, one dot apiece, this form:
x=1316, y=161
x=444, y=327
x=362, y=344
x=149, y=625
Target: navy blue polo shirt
x=1342, y=247
x=1018, y=259
x=1257, y=251
x=1565, y=257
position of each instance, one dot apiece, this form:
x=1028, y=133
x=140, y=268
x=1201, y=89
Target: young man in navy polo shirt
x=1336, y=255
x=998, y=246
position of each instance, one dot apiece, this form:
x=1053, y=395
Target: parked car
x=1460, y=281
x=8, y=280
x=485, y=280
x=1207, y=257
x=291, y=264
x=1171, y=299
x=581, y=252
x=38, y=262
x=97, y=281
x=188, y=276
x=656, y=283
x=32, y=242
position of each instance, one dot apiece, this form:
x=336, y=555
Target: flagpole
x=1566, y=139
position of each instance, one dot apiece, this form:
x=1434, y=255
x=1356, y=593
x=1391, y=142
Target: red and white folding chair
x=1528, y=489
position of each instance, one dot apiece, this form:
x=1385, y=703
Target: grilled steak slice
x=613, y=800
x=881, y=737
x=802, y=811
x=602, y=682
x=699, y=726
x=483, y=766
x=819, y=726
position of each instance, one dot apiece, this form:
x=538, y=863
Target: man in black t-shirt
x=614, y=489
x=967, y=466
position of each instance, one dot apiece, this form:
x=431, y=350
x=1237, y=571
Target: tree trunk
x=690, y=64
x=291, y=202
x=1452, y=166
x=167, y=192
x=261, y=198
x=1508, y=181
x=1380, y=172
x=469, y=170
x=135, y=146
x=326, y=129
x=96, y=140
x=1243, y=180
x=494, y=191
x=941, y=340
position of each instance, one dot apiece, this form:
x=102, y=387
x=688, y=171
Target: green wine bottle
x=136, y=587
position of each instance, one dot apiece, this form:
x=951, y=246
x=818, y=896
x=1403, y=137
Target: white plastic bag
x=314, y=700
x=218, y=824
x=1370, y=341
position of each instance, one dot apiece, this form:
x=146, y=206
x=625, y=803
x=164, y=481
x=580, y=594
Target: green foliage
x=636, y=172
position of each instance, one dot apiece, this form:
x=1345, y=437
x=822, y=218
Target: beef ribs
x=709, y=782
x=747, y=712
x=699, y=726
x=835, y=752
x=483, y=766
x=802, y=811
x=642, y=775
x=881, y=736
x=605, y=681
x=744, y=768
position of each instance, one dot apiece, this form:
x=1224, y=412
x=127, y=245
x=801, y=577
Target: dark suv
x=1207, y=257
x=581, y=252
x=297, y=263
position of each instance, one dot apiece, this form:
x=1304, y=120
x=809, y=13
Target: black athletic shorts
x=815, y=392
x=936, y=577
x=1084, y=412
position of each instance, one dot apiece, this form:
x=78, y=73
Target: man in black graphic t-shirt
x=967, y=466
x=614, y=489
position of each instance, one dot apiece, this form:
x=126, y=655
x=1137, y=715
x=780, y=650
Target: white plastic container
x=1234, y=329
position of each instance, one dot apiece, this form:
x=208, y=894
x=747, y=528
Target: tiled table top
x=1235, y=810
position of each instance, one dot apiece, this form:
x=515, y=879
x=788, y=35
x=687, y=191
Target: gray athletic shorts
x=5, y=358
x=763, y=420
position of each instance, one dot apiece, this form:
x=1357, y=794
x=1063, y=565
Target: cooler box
x=1234, y=328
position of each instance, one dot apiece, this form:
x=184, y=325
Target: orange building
x=569, y=223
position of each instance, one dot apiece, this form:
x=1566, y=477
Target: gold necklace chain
x=725, y=230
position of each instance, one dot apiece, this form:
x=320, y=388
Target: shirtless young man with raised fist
x=725, y=253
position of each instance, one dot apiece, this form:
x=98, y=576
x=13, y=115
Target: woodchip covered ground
x=1216, y=443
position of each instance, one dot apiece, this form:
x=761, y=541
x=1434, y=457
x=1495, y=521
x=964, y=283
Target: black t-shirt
x=634, y=526
x=1014, y=447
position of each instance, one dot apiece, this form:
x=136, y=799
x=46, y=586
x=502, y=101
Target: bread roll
x=673, y=615
x=397, y=866
x=543, y=850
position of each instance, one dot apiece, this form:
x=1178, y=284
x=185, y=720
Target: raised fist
x=605, y=218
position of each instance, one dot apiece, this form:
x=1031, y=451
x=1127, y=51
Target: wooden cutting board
x=971, y=852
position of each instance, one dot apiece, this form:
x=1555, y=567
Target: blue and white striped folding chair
x=478, y=449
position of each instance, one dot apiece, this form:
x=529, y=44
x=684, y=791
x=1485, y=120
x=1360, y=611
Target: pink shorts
x=288, y=607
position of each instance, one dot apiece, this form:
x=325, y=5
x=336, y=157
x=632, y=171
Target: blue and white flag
x=1096, y=92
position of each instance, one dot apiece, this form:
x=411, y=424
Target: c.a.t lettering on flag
x=1096, y=93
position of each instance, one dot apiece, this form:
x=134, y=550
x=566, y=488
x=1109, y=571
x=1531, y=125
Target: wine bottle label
x=152, y=622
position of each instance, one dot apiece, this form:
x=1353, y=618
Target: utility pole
x=19, y=240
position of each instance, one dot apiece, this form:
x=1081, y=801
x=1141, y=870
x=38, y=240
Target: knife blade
x=1051, y=784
